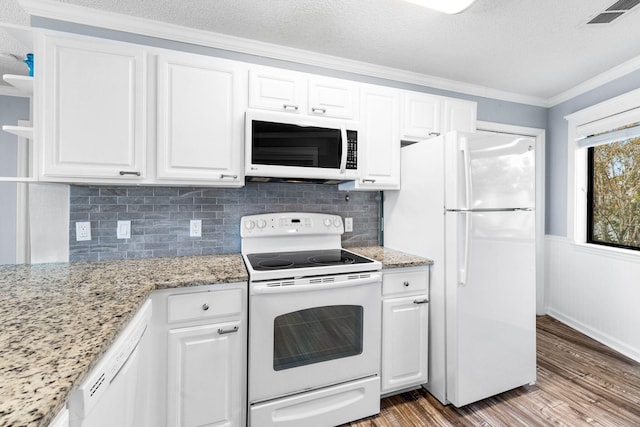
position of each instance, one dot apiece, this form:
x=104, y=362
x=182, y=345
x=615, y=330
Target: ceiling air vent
x=614, y=11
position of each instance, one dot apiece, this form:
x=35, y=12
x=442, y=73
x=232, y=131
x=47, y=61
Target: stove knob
x=262, y=223
x=249, y=225
x=327, y=222
x=337, y=222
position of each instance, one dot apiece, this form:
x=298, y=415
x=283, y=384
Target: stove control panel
x=289, y=223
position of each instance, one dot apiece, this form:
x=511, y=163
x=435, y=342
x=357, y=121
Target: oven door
x=307, y=336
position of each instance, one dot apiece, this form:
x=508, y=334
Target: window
x=613, y=195
x=603, y=181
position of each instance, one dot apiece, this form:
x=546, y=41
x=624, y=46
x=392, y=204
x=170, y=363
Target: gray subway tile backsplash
x=160, y=217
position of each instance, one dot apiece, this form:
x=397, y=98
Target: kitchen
x=557, y=297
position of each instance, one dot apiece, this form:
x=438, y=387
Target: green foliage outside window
x=614, y=194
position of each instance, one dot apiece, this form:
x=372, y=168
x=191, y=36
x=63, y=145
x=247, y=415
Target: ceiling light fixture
x=447, y=6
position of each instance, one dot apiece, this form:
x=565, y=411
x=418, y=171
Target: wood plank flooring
x=580, y=382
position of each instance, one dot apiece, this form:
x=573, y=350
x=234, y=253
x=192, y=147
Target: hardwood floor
x=580, y=383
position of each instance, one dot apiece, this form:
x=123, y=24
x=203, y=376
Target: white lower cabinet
x=200, y=337
x=405, y=329
x=201, y=381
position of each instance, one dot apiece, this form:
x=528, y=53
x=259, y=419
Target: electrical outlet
x=83, y=231
x=348, y=225
x=195, y=228
x=124, y=230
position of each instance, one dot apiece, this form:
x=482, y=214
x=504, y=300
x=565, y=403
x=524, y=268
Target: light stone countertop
x=390, y=258
x=57, y=320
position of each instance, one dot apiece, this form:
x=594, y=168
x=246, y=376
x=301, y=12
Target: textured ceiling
x=538, y=48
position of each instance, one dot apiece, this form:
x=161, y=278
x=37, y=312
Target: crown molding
x=597, y=81
x=113, y=21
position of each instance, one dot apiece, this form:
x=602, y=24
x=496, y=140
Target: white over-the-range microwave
x=289, y=146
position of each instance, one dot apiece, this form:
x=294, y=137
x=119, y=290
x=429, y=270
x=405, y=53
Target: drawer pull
x=406, y=283
x=205, y=306
x=290, y=107
x=318, y=110
x=228, y=331
x=136, y=173
x=225, y=175
x=420, y=301
x=434, y=133
x=367, y=180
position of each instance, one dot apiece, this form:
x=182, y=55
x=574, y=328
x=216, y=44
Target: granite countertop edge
x=59, y=319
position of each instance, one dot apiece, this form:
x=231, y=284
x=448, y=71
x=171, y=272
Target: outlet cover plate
x=83, y=231
x=195, y=228
x=348, y=225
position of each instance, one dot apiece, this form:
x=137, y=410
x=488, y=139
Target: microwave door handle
x=343, y=160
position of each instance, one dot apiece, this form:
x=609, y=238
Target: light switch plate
x=124, y=230
x=83, y=231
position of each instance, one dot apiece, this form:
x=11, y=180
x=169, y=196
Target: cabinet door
x=94, y=109
x=280, y=90
x=405, y=325
x=420, y=116
x=204, y=376
x=378, y=143
x=332, y=98
x=200, y=120
x=459, y=115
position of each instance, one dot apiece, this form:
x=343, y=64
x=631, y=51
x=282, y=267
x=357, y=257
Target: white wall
x=596, y=291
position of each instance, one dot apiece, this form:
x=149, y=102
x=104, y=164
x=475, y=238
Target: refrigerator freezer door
x=490, y=303
x=489, y=171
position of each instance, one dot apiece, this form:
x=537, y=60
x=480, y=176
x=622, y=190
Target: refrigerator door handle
x=466, y=167
x=464, y=265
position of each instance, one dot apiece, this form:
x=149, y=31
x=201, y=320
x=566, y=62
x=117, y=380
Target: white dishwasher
x=109, y=395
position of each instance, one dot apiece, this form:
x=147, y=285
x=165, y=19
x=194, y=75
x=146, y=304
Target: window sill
x=608, y=251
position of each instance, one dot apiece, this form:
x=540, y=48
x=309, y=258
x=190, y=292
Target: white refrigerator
x=467, y=201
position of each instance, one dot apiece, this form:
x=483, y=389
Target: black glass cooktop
x=303, y=259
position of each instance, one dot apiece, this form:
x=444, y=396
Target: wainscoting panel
x=596, y=291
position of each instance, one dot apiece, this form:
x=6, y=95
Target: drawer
x=405, y=282
x=203, y=305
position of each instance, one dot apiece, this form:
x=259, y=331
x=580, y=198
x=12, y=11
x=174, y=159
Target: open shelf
x=22, y=83
x=23, y=131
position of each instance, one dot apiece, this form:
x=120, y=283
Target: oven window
x=316, y=335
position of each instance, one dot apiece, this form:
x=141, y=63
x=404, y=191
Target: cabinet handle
x=290, y=107
x=205, y=306
x=420, y=301
x=228, y=331
x=434, y=133
x=224, y=175
x=364, y=181
x=130, y=173
x=406, y=283
x=318, y=110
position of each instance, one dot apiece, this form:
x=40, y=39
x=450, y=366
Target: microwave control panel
x=352, y=150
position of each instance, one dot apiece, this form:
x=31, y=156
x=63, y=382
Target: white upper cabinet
x=459, y=115
x=425, y=116
x=300, y=93
x=420, y=116
x=332, y=98
x=201, y=103
x=280, y=90
x=94, y=110
x=378, y=142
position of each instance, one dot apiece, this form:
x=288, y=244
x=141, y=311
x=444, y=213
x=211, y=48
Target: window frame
x=589, y=224
x=601, y=117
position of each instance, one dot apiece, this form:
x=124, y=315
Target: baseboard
x=613, y=343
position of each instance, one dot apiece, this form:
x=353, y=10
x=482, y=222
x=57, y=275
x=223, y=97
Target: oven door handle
x=282, y=289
